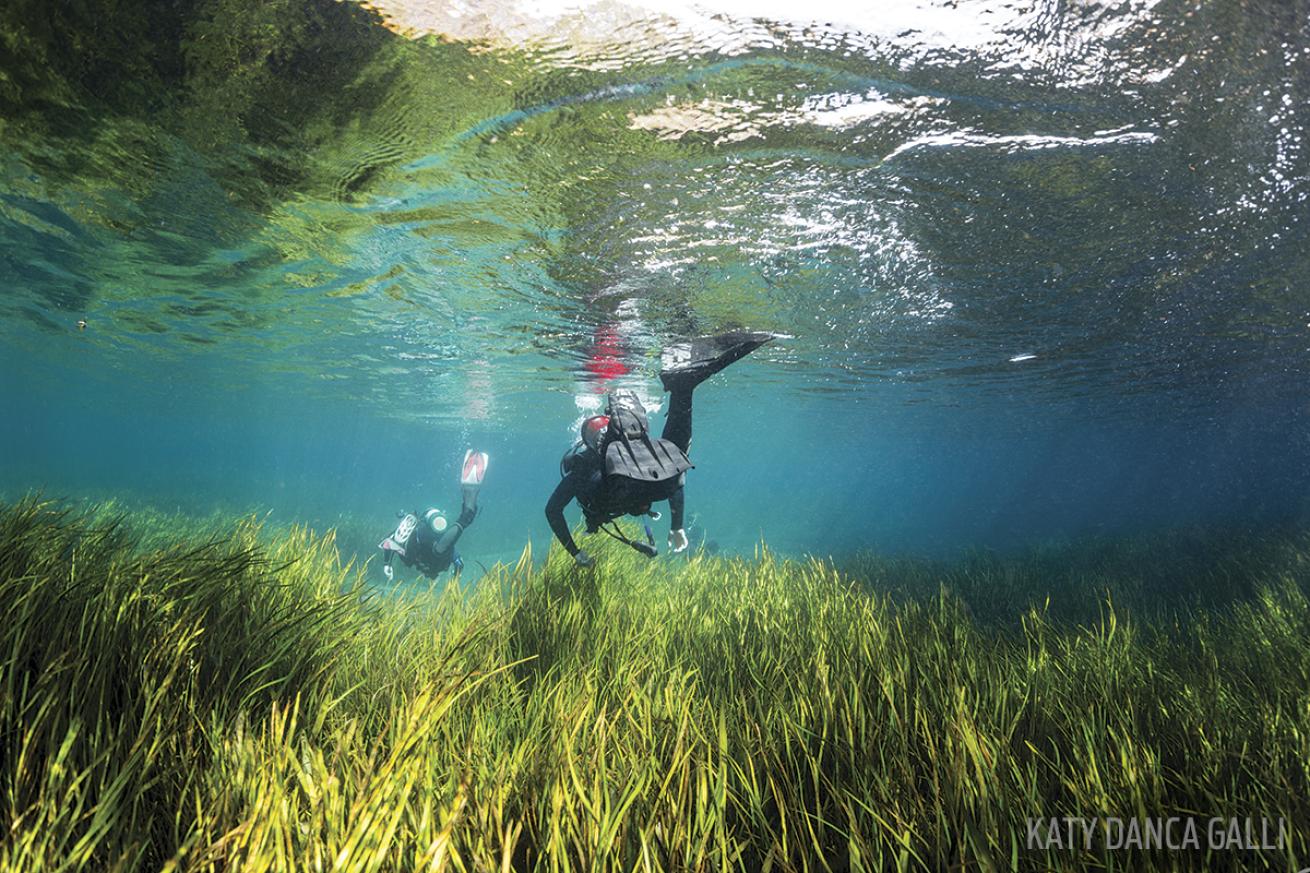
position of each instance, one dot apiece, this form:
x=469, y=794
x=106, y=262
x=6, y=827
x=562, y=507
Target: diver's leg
x=686, y=365
x=446, y=545
x=469, y=511
x=466, y=515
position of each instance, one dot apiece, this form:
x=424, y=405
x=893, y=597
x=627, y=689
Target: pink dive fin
x=475, y=467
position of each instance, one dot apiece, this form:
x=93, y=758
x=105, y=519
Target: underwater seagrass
x=268, y=711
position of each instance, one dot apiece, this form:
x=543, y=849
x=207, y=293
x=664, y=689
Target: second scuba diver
x=427, y=542
x=617, y=468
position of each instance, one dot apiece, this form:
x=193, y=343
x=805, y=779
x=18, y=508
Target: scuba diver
x=617, y=468
x=427, y=542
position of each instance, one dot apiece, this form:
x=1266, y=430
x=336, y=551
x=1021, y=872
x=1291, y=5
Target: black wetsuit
x=602, y=501
x=431, y=553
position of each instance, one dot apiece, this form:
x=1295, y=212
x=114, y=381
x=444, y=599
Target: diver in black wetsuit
x=593, y=470
x=426, y=542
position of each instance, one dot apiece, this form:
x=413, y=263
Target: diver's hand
x=388, y=572
x=678, y=540
x=582, y=559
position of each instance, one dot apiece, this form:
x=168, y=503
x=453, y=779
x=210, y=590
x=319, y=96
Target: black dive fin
x=686, y=365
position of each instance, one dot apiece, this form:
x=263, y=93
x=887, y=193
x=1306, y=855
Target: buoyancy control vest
x=637, y=469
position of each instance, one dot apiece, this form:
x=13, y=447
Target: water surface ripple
x=1098, y=206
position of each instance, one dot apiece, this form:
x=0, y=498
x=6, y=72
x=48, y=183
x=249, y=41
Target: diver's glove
x=582, y=559
x=388, y=572
x=678, y=540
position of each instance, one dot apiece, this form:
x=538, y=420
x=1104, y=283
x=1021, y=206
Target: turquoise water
x=1043, y=267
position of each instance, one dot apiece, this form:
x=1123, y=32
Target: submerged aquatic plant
x=232, y=704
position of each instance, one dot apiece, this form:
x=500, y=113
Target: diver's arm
x=677, y=536
x=677, y=504
x=565, y=491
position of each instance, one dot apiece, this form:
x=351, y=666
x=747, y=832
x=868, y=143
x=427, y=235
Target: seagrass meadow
x=244, y=701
